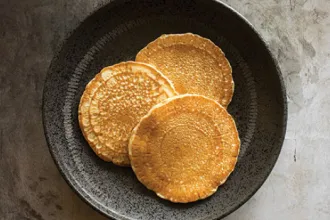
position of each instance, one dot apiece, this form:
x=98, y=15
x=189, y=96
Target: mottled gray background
x=298, y=32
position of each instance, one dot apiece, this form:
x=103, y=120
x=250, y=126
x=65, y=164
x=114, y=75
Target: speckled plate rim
x=80, y=191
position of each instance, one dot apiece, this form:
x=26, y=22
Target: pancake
x=114, y=102
x=184, y=148
x=194, y=64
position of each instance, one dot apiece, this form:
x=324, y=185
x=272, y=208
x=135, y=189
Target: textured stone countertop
x=298, y=32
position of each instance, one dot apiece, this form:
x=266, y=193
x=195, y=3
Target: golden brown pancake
x=114, y=102
x=184, y=148
x=194, y=64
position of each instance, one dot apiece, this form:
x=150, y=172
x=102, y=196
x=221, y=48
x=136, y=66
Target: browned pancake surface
x=184, y=148
x=194, y=64
x=114, y=102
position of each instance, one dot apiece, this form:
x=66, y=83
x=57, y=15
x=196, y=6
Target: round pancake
x=114, y=102
x=194, y=64
x=184, y=148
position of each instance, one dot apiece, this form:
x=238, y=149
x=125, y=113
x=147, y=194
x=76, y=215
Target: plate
x=115, y=33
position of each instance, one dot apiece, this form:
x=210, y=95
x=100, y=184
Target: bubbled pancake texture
x=194, y=64
x=184, y=148
x=114, y=102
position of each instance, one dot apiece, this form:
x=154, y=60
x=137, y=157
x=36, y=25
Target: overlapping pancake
x=184, y=148
x=114, y=102
x=194, y=64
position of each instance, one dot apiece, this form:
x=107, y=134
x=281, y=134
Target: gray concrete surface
x=298, y=32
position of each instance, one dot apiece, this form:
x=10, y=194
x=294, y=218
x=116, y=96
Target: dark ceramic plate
x=116, y=33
